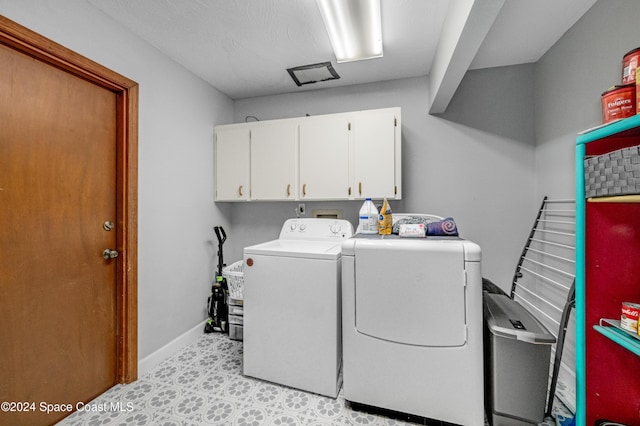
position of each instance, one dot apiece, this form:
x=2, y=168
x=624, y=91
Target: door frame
x=26, y=41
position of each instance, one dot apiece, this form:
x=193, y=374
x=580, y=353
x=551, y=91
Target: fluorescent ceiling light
x=354, y=27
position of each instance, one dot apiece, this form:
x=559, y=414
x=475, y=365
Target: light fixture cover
x=354, y=28
x=313, y=73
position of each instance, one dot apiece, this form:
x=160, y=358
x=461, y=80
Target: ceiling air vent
x=308, y=74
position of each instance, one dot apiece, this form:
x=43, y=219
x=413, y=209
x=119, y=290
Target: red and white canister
x=618, y=102
x=629, y=317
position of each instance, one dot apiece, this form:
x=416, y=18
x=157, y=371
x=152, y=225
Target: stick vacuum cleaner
x=217, y=302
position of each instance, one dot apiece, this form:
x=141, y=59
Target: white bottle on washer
x=368, y=223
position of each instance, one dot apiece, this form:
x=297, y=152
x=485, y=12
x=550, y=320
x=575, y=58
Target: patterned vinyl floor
x=202, y=384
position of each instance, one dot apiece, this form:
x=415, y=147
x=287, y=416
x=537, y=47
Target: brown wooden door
x=58, y=295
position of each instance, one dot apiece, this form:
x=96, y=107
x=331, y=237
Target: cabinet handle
x=359, y=188
x=288, y=190
x=240, y=190
x=304, y=189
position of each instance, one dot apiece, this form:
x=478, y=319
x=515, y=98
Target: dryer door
x=411, y=292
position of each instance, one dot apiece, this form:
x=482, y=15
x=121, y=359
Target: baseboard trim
x=148, y=363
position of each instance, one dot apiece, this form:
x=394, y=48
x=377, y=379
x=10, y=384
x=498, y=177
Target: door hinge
x=349, y=126
x=395, y=122
x=464, y=278
x=395, y=190
x=349, y=191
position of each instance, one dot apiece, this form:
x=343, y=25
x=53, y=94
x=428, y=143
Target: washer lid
x=471, y=251
x=329, y=250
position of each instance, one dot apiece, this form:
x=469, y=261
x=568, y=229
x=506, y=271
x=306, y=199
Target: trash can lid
x=507, y=318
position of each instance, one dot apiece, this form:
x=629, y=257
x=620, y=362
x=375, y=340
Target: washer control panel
x=316, y=229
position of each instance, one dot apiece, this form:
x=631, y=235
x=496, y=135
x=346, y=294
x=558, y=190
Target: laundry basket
x=234, y=274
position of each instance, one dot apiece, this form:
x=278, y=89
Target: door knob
x=109, y=254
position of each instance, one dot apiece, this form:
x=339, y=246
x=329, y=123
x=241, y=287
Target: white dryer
x=412, y=326
x=292, y=323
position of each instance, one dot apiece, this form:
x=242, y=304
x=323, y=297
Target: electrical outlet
x=301, y=208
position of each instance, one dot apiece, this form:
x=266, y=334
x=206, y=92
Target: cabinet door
x=374, y=142
x=273, y=161
x=324, y=158
x=232, y=164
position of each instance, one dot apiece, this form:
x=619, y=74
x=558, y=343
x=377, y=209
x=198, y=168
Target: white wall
x=474, y=163
x=177, y=115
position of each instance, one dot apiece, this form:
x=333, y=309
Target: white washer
x=412, y=326
x=292, y=324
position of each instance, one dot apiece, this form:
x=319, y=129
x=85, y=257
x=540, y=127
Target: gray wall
x=474, y=163
x=177, y=115
x=569, y=80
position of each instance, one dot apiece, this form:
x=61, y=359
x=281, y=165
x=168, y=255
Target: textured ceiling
x=243, y=47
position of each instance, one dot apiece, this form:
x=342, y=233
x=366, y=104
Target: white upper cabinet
x=274, y=161
x=324, y=158
x=232, y=163
x=344, y=156
x=375, y=149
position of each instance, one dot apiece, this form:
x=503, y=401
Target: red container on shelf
x=618, y=102
x=629, y=317
x=629, y=64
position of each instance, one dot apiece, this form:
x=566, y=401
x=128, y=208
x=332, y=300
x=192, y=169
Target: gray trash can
x=517, y=357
